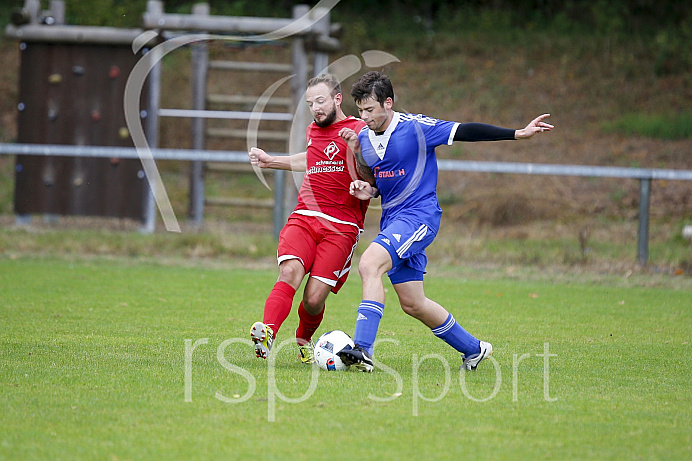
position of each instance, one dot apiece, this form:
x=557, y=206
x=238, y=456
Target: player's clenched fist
x=259, y=158
x=351, y=138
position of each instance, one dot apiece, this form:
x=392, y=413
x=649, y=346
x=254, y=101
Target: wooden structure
x=309, y=40
x=71, y=93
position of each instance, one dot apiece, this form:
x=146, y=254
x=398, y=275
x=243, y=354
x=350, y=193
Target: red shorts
x=323, y=247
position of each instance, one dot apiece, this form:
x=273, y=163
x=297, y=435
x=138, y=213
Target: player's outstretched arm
x=473, y=132
x=295, y=162
x=537, y=125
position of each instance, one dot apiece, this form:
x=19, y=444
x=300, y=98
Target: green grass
x=216, y=243
x=92, y=366
x=660, y=126
x=610, y=246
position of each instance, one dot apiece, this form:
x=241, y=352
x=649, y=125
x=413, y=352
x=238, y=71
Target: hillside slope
x=478, y=78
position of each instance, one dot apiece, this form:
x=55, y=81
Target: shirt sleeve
x=437, y=132
x=472, y=132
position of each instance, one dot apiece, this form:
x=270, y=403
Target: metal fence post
x=644, y=206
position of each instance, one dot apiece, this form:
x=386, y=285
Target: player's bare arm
x=364, y=171
x=295, y=162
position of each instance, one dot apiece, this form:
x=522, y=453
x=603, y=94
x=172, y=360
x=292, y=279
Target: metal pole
x=644, y=206
x=200, y=59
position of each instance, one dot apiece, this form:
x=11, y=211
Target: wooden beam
x=245, y=99
x=261, y=134
x=240, y=202
x=228, y=24
x=73, y=34
x=251, y=66
x=221, y=167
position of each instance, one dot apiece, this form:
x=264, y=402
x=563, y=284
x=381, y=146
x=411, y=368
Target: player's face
x=377, y=116
x=322, y=104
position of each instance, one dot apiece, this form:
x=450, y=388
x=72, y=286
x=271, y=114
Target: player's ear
x=388, y=103
x=338, y=98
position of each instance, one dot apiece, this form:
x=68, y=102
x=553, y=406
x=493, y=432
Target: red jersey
x=330, y=170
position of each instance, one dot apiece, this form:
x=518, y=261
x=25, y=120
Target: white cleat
x=471, y=363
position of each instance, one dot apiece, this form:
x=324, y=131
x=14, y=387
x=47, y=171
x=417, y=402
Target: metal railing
x=644, y=175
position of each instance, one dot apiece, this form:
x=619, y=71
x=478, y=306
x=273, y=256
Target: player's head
x=324, y=97
x=373, y=85
x=374, y=96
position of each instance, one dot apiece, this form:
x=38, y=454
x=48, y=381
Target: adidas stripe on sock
x=368, y=321
x=454, y=334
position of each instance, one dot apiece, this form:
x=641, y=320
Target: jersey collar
x=392, y=124
x=380, y=142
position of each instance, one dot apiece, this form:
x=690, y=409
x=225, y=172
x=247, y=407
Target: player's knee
x=412, y=309
x=365, y=271
x=313, y=303
x=368, y=268
x=291, y=273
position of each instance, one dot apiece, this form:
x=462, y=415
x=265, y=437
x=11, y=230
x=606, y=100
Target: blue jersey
x=405, y=167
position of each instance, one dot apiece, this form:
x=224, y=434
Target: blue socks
x=454, y=334
x=367, y=323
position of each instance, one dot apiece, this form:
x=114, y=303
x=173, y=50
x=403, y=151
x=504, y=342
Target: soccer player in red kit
x=322, y=232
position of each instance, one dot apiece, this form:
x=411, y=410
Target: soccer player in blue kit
x=400, y=150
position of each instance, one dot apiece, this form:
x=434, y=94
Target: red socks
x=278, y=305
x=308, y=324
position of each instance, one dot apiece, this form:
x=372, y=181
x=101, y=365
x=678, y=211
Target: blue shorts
x=406, y=242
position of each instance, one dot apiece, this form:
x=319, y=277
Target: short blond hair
x=328, y=79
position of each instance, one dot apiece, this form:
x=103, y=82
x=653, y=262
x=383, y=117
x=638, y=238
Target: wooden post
x=200, y=61
x=57, y=10
x=151, y=123
x=321, y=56
x=302, y=118
x=33, y=8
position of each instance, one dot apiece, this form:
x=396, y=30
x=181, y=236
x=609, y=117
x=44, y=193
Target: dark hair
x=328, y=79
x=373, y=84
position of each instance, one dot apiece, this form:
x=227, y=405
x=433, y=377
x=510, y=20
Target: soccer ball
x=328, y=346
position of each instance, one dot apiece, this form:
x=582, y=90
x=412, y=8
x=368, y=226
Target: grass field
x=125, y=359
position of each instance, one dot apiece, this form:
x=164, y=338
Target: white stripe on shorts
x=416, y=237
